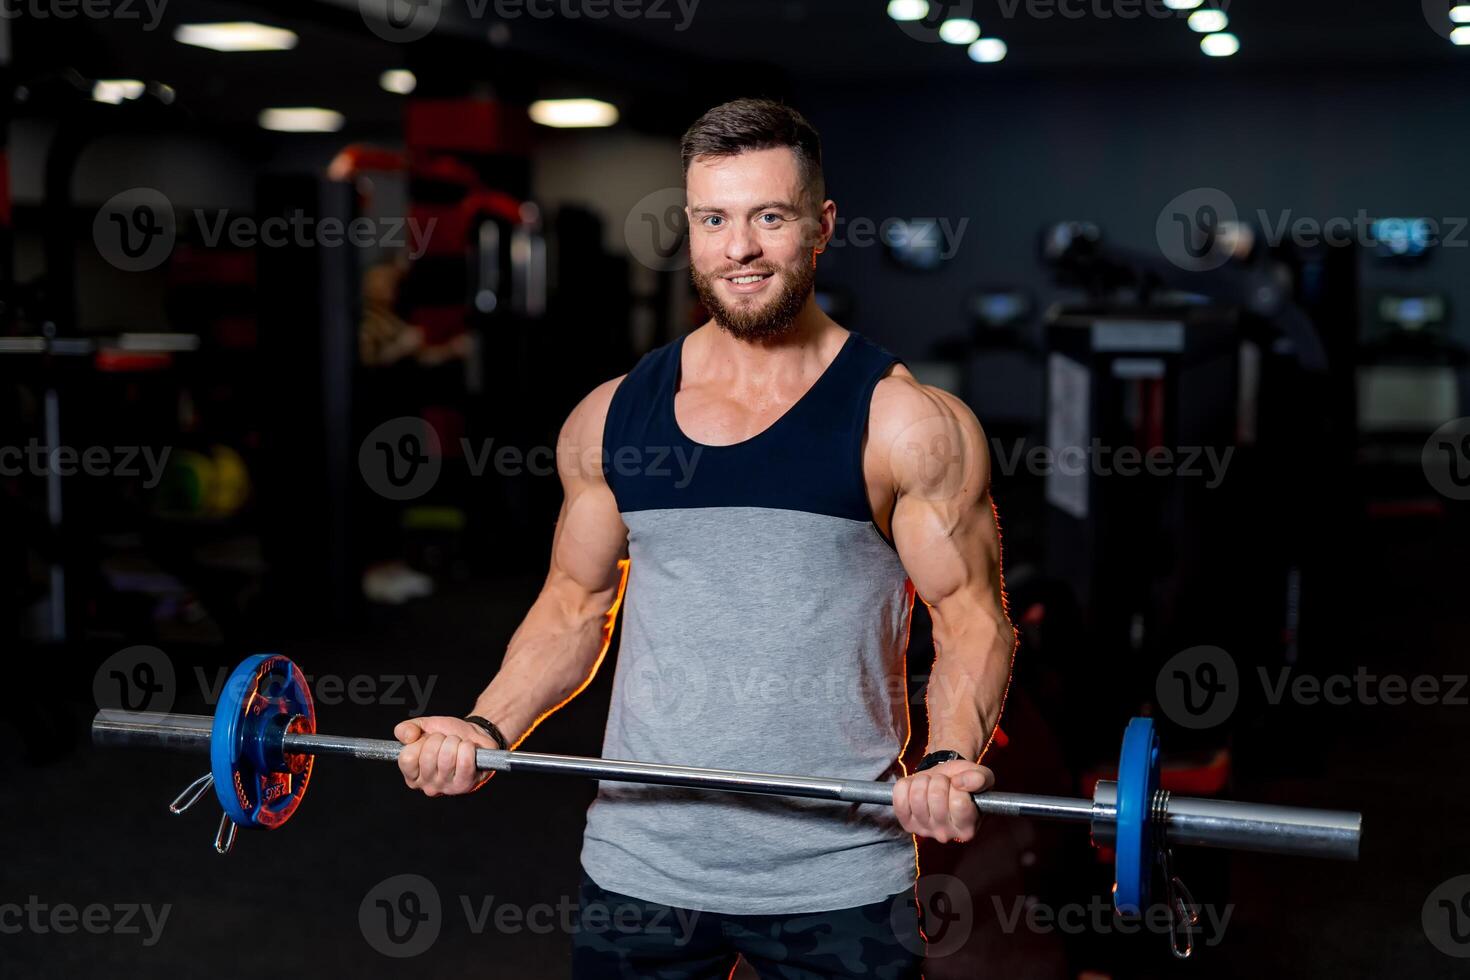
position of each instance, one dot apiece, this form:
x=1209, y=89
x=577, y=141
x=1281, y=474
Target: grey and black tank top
x=765, y=626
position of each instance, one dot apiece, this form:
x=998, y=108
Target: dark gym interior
x=1201, y=269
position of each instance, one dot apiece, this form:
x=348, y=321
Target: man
x=781, y=489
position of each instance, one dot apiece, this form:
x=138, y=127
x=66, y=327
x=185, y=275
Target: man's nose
x=743, y=245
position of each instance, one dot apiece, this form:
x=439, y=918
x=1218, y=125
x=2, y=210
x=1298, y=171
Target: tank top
x=765, y=627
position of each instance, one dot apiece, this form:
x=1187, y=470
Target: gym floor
x=291, y=900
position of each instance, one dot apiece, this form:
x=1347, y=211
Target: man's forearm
x=973, y=650
x=550, y=659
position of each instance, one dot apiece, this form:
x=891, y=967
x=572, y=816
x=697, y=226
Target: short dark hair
x=757, y=124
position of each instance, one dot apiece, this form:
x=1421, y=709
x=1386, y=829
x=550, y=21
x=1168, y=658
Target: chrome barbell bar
x=1188, y=821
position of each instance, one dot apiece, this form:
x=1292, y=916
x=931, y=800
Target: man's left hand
x=936, y=802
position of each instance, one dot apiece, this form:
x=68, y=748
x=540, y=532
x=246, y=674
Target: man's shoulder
x=599, y=398
x=585, y=424
x=900, y=401
x=586, y=420
x=925, y=436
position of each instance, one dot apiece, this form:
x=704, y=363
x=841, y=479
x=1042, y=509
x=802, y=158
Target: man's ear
x=827, y=222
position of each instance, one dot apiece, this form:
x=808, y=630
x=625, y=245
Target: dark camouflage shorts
x=620, y=936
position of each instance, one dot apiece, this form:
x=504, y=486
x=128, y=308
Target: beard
x=771, y=319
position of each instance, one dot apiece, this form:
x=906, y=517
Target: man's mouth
x=747, y=278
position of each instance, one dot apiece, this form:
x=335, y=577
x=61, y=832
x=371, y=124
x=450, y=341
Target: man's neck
x=808, y=346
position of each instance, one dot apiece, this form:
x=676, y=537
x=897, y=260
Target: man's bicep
x=590, y=538
x=947, y=555
x=944, y=524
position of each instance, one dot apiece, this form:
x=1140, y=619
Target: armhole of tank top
x=613, y=428
x=862, y=445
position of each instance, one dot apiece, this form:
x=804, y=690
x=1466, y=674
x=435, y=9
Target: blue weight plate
x=1138, y=779
x=258, y=785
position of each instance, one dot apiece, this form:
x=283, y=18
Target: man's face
x=752, y=231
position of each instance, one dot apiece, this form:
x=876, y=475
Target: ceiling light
x=908, y=9
x=1219, y=45
x=116, y=90
x=573, y=113
x=236, y=36
x=399, y=81
x=959, y=30
x=1460, y=13
x=1460, y=35
x=303, y=119
x=1208, y=21
x=1181, y=4
x=988, y=50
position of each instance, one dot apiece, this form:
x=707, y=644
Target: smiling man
x=767, y=606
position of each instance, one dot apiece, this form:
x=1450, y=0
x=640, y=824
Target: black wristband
x=936, y=758
x=490, y=729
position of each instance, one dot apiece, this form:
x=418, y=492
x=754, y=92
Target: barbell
x=262, y=741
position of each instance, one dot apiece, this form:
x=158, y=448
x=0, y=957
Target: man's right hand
x=438, y=755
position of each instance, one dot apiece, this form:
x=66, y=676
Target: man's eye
x=769, y=219
x=713, y=221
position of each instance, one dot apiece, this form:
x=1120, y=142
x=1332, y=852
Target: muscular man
x=781, y=488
